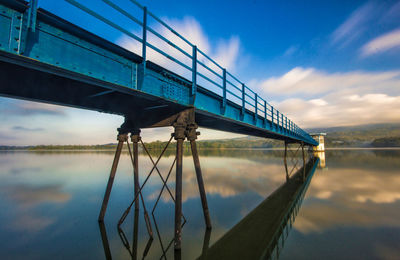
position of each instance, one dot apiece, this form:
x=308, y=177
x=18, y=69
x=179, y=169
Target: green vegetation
x=386, y=142
x=243, y=142
x=358, y=136
x=60, y=147
x=382, y=135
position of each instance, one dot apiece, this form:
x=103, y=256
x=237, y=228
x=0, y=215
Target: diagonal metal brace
x=125, y=214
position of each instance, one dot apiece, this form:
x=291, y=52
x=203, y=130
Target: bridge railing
x=201, y=67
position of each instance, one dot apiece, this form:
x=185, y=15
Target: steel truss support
x=192, y=136
x=285, y=161
x=135, y=138
x=293, y=159
x=121, y=139
x=179, y=136
x=185, y=127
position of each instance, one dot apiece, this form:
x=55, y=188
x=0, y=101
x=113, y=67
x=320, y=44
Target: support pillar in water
x=285, y=161
x=179, y=136
x=192, y=136
x=135, y=138
x=121, y=139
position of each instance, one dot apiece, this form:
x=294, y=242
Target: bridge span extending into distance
x=48, y=59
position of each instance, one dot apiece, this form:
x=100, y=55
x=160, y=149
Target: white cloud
x=312, y=82
x=346, y=110
x=354, y=25
x=363, y=198
x=314, y=98
x=382, y=43
x=225, y=53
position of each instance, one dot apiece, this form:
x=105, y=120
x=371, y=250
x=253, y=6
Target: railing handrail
x=248, y=96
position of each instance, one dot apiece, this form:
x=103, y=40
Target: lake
x=50, y=203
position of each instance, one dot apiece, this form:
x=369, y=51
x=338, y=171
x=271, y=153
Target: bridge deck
x=61, y=63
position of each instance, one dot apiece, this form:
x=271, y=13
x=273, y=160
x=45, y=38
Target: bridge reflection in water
x=259, y=235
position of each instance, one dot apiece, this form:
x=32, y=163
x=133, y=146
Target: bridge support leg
x=192, y=136
x=121, y=139
x=179, y=135
x=135, y=138
x=285, y=161
x=135, y=234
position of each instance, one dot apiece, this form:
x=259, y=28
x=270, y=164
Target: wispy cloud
x=27, y=108
x=336, y=110
x=290, y=51
x=6, y=137
x=392, y=13
x=26, y=129
x=382, y=43
x=317, y=99
x=354, y=25
x=311, y=82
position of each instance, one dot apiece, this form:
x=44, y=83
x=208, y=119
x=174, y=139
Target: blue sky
x=323, y=63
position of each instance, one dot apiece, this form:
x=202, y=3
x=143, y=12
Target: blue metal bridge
x=48, y=59
x=45, y=58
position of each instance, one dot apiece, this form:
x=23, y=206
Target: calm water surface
x=50, y=202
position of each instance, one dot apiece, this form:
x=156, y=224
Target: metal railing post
x=265, y=111
x=272, y=116
x=32, y=15
x=194, y=74
x=243, y=99
x=144, y=43
x=255, y=107
x=286, y=125
x=277, y=118
x=144, y=34
x=224, y=91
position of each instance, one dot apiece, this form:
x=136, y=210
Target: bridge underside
x=24, y=78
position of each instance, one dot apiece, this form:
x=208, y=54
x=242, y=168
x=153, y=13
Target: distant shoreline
x=260, y=149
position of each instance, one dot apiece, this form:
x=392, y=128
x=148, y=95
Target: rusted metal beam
x=285, y=161
x=135, y=138
x=179, y=135
x=121, y=139
x=192, y=136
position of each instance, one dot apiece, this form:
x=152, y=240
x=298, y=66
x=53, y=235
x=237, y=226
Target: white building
x=319, y=137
